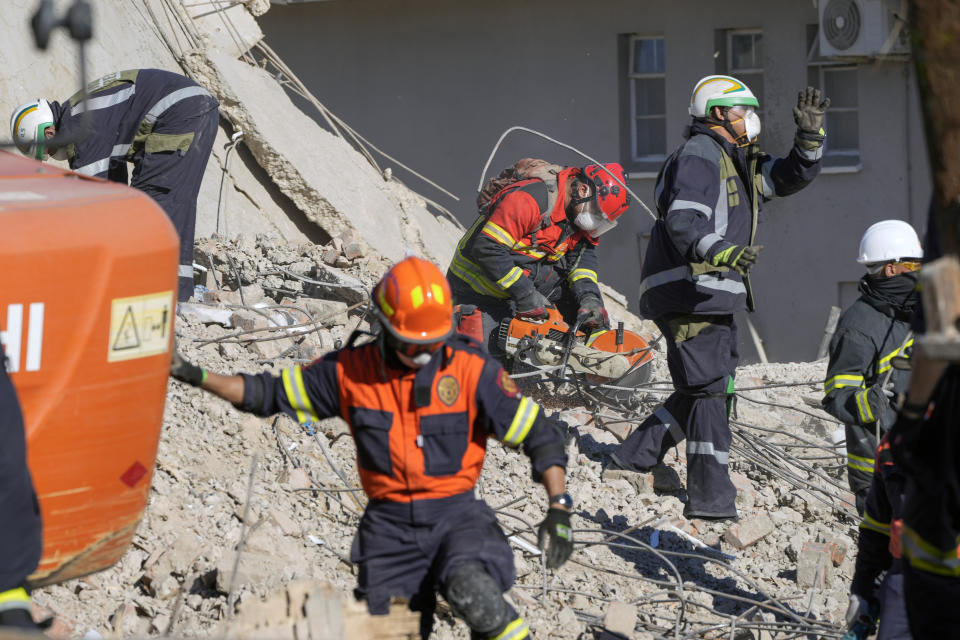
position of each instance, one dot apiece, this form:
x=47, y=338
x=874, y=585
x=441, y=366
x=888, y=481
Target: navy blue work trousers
x=702, y=357
x=173, y=178
x=20, y=533
x=411, y=549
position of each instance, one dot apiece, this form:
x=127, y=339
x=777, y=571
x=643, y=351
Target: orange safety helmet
x=413, y=302
x=612, y=196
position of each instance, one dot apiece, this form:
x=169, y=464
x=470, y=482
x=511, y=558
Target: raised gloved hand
x=593, y=313
x=741, y=258
x=185, y=371
x=810, y=111
x=555, y=537
x=532, y=306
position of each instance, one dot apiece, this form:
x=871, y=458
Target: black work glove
x=735, y=256
x=810, y=111
x=185, y=371
x=555, y=537
x=593, y=313
x=532, y=306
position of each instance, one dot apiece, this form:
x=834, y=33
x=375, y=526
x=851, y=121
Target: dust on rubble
x=641, y=566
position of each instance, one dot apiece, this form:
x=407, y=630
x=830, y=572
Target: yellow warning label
x=140, y=326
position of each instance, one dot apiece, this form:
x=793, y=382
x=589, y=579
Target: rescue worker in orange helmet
x=421, y=402
x=522, y=255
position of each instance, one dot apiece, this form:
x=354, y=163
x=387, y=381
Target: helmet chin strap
x=727, y=126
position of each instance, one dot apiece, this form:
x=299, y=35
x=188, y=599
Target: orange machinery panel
x=87, y=303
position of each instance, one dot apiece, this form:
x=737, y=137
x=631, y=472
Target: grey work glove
x=555, y=537
x=738, y=257
x=810, y=111
x=532, y=306
x=185, y=371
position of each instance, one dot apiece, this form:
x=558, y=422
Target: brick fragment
x=749, y=531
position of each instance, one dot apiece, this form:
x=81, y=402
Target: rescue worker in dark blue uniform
x=162, y=122
x=925, y=443
x=694, y=275
x=20, y=534
x=879, y=550
x=421, y=402
x=528, y=250
x=861, y=381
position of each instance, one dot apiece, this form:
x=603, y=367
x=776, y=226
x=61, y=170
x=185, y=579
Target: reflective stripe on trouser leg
x=709, y=489
x=647, y=445
x=861, y=449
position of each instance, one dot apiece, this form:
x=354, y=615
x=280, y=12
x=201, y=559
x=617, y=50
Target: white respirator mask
x=752, y=125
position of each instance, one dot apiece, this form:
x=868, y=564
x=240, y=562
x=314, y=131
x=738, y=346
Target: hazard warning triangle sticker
x=127, y=336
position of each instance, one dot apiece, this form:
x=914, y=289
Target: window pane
x=746, y=51
x=651, y=137
x=842, y=131
x=649, y=96
x=648, y=55
x=841, y=86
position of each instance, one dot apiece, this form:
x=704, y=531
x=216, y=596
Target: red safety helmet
x=413, y=302
x=612, y=196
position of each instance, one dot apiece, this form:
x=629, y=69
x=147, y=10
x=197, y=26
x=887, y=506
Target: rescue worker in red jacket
x=421, y=402
x=522, y=255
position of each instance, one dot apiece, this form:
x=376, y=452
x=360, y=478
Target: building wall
x=435, y=83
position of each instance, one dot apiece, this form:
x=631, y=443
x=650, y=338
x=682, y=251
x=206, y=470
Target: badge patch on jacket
x=448, y=389
x=505, y=382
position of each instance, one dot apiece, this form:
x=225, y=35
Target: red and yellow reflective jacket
x=420, y=434
x=514, y=249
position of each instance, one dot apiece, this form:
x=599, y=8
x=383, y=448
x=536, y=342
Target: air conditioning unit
x=862, y=28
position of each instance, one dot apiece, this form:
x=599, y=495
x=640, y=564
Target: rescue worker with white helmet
x=860, y=379
x=695, y=274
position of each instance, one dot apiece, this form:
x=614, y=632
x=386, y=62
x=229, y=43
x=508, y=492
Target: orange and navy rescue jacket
x=420, y=434
x=513, y=248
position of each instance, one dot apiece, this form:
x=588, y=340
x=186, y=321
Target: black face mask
x=899, y=291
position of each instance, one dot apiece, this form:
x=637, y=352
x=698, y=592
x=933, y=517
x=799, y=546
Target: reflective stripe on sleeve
x=690, y=204
x=926, y=557
x=185, y=271
x=860, y=463
x=516, y=630
x=523, y=419
x=14, y=599
x=511, y=278
x=297, y=395
x=580, y=274
x=498, y=233
x=842, y=380
x=171, y=99
x=863, y=406
x=663, y=277
x=874, y=525
x=707, y=241
x=884, y=363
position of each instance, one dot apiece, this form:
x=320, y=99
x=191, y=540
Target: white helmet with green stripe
x=719, y=91
x=29, y=124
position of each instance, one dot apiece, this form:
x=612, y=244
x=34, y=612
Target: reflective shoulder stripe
x=297, y=395
x=863, y=406
x=103, y=102
x=511, y=278
x=103, y=164
x=171, y=99
x=842, y=380
x=690, y=204
x=516, y=630
x=874, y=525
x=523, y=419
x=580, y=274
x=498, y=233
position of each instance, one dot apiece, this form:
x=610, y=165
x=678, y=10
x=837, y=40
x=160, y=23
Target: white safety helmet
x=719, y=91
x=889, y=241
x=29, y=124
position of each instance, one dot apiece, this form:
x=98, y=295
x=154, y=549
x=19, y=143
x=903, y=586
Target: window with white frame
x=838, y=80
x=745, y=59
x=648, y=106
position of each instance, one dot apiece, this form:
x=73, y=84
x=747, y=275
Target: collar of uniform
x=423, y=379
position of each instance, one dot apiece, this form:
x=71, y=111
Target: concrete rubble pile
x=795, y=545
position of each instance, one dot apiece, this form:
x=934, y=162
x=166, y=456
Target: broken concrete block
x=247, y=320
x=330, y=255
x=814, y=565
x=254, y=568
x=749, y=531
x=326, y=312
x=296, y=479
x=746, y=496
x=620, y=618
x=642, y=482
x=355, y=250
